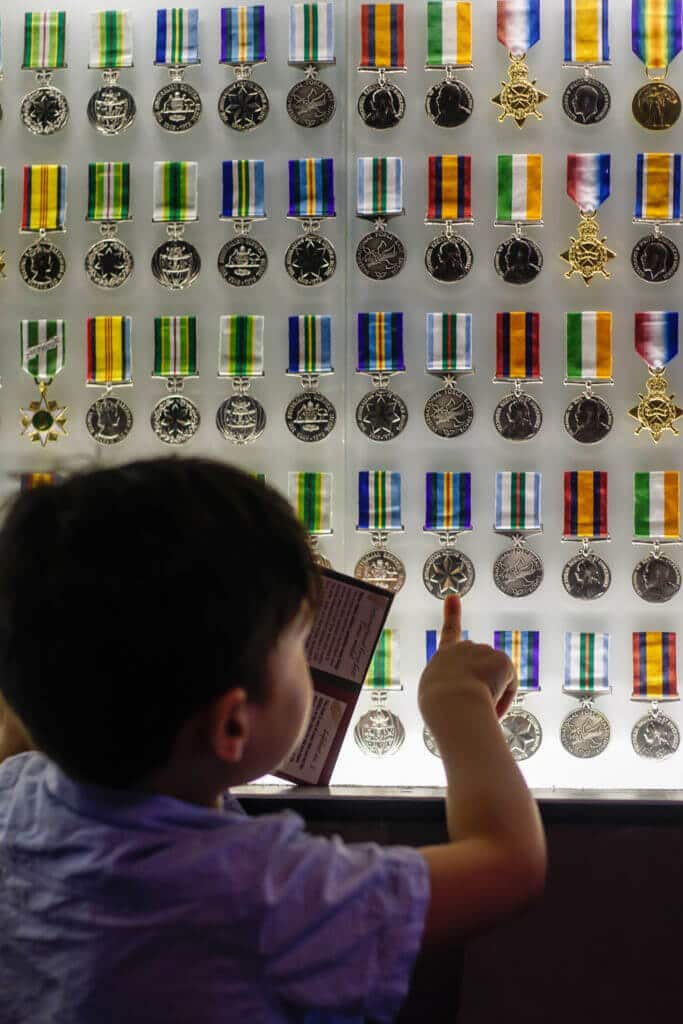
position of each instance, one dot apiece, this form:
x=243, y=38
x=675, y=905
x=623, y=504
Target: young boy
x=153, y=621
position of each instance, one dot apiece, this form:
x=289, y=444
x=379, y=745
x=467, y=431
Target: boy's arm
x=13, y=737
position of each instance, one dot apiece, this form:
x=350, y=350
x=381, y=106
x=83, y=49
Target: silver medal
x=586, y=576
x=448, y=258
x=311, y=103
x=655, y=258
x=449, y=412
x=585, y=732
x=109, y=420
x=586, y=100
x=655, y=736
x=176, y=264
x=311, y=417
x=311, y=260
x=381, y=105
x=518, y=417
x=522, y=732
x=448, y=571
x=449, y=103
x=45, y=110
x=382, y=415
x=518, y=260
x=241, y=419
x=518, y=572
x=380, y=255
x=382, y=568
x=656, y=579
x=111, y=110
x=588, y=419
x=243, y=105
x=42, y=266
x=109, y=263
x=430, y=742
x=177, y=107
x=242, y=261
x=175, y=419
x=379, y=732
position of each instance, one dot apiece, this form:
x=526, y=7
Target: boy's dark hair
x=132, y=597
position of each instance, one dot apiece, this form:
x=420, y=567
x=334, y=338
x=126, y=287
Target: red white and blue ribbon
x=518, y=25
x=588, y=179
x=656, y=337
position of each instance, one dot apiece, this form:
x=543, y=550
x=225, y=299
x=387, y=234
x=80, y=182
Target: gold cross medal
x=588, y=184
x=42, y=356
x=656, y=342
x=519, y=28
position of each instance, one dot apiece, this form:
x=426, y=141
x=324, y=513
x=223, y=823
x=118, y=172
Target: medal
x=518, y=29
x=243, y=104
x=586, y=732
x=586, y=100
x=656, y=39
x=522, y=730
x=518, y=260
x=43, y=347
x=30, y=481
x=656, y=521
x=656, y=342
x=382, y=414
x=380, y=732
x=449, y=412
x=658, y=201
x=379, y=513
x=588, y=184
x=311, y=496
x=380, y=254
x=243, y=261
x=586, y=576
x=588, y=419
x=241, y=418
x=311, y=103
x=449, y=47
x=311, y=260
x=382, y=27
x=45, y=110
x=449, y=257
x=177, y=107
x=111, y=109
x=42, y=265
x=175, y=264
x=518, y=571
x=109, y=263
x=310, y=416
x=655, y=736
x=518, y=417
x=448, y=512
x=175, y=419
x=109, y=420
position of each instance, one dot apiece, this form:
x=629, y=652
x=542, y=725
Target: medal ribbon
x=522, y=648
x=382, y=30
x=518, y=346
x=2, y=185
x=656, y=506
x=586, y=31
x=586, y=663
x=29, y=481
x=175, y=346
x=43, y=348
x=243, y=35
x=449, y=34
x=311, y=188
x=310, y=344
x=519, y=25
x=109, y=192
x=588, y=179
x=449, y=342
x=518, y=501
x=111, y=40
x=177, y=36
x=380, y=186
x=109, y=350
x=379, y=500
x=44, y=206
x=654, y=666
x=432, y=641
x=240, y=347
x=448, y=502
x=658, y=187
x=44, y=40
x=656, y=31
x=589, y=346
x=450, y=188
x=585, y=505
x=244, y=189
x=311, y=34
x=175, y=191
x=656, y=337
x=520, y=188
x=311, y=495
x=380, y=343
x=384, y=672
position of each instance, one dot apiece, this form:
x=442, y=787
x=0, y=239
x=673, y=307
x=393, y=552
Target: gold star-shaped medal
x=43, y=421
x=587, y=254
x=519, y=96
x=656, y=411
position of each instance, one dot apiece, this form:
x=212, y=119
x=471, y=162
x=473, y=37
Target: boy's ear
x=230, y=726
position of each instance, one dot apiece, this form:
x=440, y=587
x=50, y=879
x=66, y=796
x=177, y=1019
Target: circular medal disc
x=518, y=572
x=656, y=579
x=586, y=577
x=42, y=266
x=518, y=417
x=241, y=419
x=109, y=420
x=518, y=260
x=430, y=742
x=656, y=106
x=448, y=571
x=379, y=733
x=321, y=561
x=175, y=419
x=111, y=110
x=45, y=110
x=588, y=419
x=311, y=417
x=449, y=412
x=382, y=568
x=109, y=263
x=522, y=732
x=176, y=264
x=449, y=104
x=585, y=732
x=242, y=261
x=448, y=258
x=311, y=103
x=177, y=107
x=381, y=105
x=243, y=105
x=380, y=255
x=311, y=260
x=655, y=737
x=655, y=258
x=382, y=415
x=586, y=101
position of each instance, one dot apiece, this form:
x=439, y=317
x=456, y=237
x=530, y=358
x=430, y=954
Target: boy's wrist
x=450, y=706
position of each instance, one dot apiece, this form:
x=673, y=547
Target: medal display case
x=339, y=247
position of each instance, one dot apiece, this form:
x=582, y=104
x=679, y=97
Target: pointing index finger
x=451, y=630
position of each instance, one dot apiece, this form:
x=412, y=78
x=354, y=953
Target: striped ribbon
x=109, y=192
x=450, y=188
x=432, y=641
x=658, y=187
x=175, y=346
x=30, y=481
x=380, y=343
x=385, y=671
x=585, y=505
x=520, y=188
x=518, y=501
x=449, y=342
x=177, y=36
x=243, y=35
x=244, y=189
x=654, y=666
x=448, y=502
x=586, y=663
x=379, y=500
x=44, y=40
x=586, y=32
x=382, y=30
x=175, y=191
x=311, y=495
x=449, y=34
x=311, y=188
x=109, y=350
x=311, y=34
x=310, y=344
x=589, y=346
x=518, y=346
x=2, y=182
x=656, y=337
x=656, y=31
x=44, y=205
x=518, y=24
x=42, y=348
x=656, y=505
x=380, y=186
x=588, y=179
x=111, y=39
x=522, y=648
x=240, y=346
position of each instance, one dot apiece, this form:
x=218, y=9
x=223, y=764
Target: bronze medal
x=656, y=106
